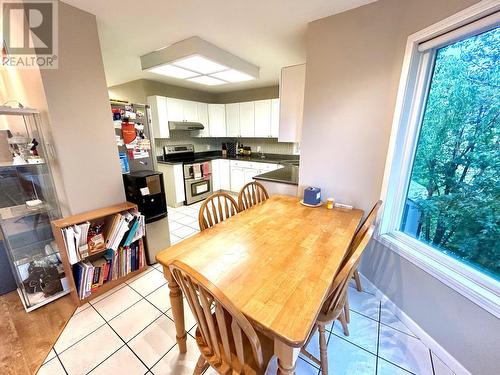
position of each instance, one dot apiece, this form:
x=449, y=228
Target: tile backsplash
x=268, y=145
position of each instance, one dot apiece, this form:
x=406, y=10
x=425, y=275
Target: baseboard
x=428, y=341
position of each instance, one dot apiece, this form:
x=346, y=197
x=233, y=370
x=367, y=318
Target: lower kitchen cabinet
x=237, y=179
x=173, y=179
x=224, y=177
x=215, y=175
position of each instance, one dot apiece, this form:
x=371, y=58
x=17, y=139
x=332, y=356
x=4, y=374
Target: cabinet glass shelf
x=28, y=204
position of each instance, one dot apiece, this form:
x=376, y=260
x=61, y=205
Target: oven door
x=198, y=189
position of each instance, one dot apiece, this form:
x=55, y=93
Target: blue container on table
x=312, y=195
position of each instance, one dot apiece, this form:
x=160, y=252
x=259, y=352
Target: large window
x=453, y=196
x=442, y=184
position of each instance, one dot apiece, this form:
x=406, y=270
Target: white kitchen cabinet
x=216, y=177
x=175, y=109
x=233, y=120
x=217, y=120
x=250, y=173
x=263, y=118
x=203, y=119
x=237, y=179
x=173, y=179
x=225, y=174
x=292, y=85
x=190, y=110
x=275, y=118
x=159, y=118
x=247, y=119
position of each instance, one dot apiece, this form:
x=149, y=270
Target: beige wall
x=259, y=93
x=137, y=91
x=354, y=62
x=79, y=114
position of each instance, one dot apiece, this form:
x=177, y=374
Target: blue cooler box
x=312, y=196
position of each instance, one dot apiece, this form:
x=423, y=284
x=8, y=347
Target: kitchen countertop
x=269, y=158
x=286, y=175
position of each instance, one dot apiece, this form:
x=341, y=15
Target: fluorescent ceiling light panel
x=172, y=71
x=200, y=64
x=232, y=75
x=206, y=80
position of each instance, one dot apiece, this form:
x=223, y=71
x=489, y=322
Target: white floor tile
x=439, y=366
x=107, y=294
x=301, y=368
x=51, y=355
x=174, y=215
x=121, y=362
x=117, y=302
x=189, y=320
x=52, y=367
x=345, y=358
x=148, y=283
x=364, y=303
x=156, y=340
x=79, y=309
x=175, y=363
x=313, y=348
x=174, y=239
x=160, y=298
x=187, y=220
x=173, y=225
x=89, y=352
x=386, y=368
x=133, y=320
x=388, y=318
x=184, y=232
x=363, y=332
x=365, y=284
x=79, y=326
x=406, y=351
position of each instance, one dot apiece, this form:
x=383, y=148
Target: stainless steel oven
x=197, y=181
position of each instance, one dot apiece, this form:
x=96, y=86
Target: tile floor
x=130, y=330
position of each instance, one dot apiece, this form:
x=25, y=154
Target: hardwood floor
x=27, y=338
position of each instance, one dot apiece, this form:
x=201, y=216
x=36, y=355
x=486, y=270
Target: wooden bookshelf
x=101, y=214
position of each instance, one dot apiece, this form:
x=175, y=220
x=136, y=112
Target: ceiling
x=269, y=34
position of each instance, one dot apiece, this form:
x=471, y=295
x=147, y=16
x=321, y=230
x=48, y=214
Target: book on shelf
x=113, y=264
x=123, y=251
x=125, y=228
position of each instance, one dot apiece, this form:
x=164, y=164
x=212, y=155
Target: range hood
x=185, y=125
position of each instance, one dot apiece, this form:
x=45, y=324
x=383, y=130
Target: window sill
x=471, y=284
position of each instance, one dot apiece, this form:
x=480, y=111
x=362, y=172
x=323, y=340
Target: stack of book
x=124, y=253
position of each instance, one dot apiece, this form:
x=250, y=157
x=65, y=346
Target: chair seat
x=250, y=367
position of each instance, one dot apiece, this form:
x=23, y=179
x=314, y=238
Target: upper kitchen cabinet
x=233, y=120
x=175, y=109
x=217, y=120
x=247, y=119
x=203, y=119
x=159, y=118
x=275, y=118
x=190, y=111
x=292, y=85
x=263, y=118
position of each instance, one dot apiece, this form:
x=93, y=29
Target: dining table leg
x=177, y=310
x=287, y=357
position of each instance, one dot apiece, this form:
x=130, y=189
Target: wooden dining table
x=275, y=262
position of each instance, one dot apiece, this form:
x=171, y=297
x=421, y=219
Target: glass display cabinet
x=28, y=204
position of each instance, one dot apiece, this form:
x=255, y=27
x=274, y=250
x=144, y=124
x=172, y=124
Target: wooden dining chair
x=333, y=307
x=216, y=208
x=251, y=194
x=358, y=237
x=226, y=339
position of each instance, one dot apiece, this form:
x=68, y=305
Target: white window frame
x=411, y=98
